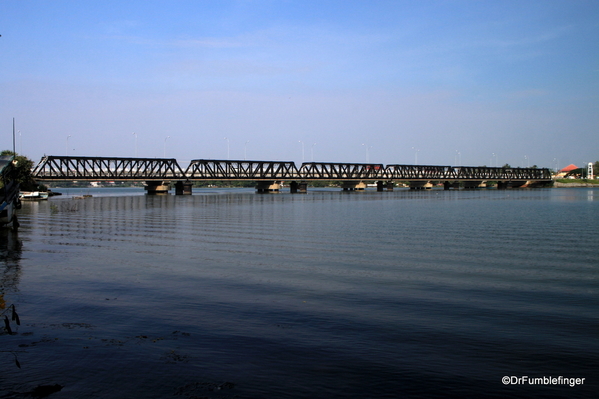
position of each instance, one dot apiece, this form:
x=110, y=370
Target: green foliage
x=23, y=171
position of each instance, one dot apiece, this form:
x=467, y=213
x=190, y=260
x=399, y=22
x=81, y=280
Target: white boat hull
x=33, y=196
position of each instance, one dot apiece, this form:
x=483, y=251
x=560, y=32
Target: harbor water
x=231, y=294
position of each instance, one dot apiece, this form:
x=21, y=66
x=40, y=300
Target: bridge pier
x=353, y=186
x=183, y=188
x=381, y=185
x=420, y=185
x=536, y=184
x=157, y=187
x=455, y=185
x=472, y=184
x=268, y=187
x=301, y=187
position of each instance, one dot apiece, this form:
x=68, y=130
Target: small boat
x=9, y=193
x=33, y=195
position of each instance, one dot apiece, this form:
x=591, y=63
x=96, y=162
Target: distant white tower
x=590, y=171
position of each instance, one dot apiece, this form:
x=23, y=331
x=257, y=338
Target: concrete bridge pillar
x=448, y=184
x=183, y=188
x=301, y=187
x=502, y=185
x=268, y=187
x=420, y=185
x=470, y=184
x=157, y=187
x=353, y=186
x=381, y=185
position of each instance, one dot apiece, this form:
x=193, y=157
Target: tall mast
x=14, y=148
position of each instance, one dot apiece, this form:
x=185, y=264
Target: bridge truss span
x=210, y=169
x=158, y=173
x=99, y=168
x=341, y=171
x=420, y=172
x=463, y=173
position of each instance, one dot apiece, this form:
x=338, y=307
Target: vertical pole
x=135, y=134
x=14, y=148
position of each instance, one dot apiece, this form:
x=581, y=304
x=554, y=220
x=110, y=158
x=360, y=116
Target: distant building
x=568, y=172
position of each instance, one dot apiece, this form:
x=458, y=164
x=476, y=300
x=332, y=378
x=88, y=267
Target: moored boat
x=33, y=195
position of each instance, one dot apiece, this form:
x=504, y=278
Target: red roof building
x=569, y=168
x=566, y=171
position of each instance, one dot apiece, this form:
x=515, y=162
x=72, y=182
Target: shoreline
x=562, y=185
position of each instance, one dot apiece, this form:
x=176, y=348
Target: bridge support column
x=353, y=186
x=420, y=185
x=157, y=187
x=301, y=187
x=183, y=188
x=502, y=185
x=268, y=187
x=536, y=184
x=381, y=185
x=472, y=184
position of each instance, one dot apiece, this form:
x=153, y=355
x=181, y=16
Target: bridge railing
x=210, y=169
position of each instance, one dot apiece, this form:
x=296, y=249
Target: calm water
x=231, y=294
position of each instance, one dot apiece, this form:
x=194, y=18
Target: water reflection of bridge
x=158, y=173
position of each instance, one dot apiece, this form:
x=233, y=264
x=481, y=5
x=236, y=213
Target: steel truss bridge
x=155, y=171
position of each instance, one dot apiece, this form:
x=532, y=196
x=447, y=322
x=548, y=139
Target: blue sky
x=393, y=82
